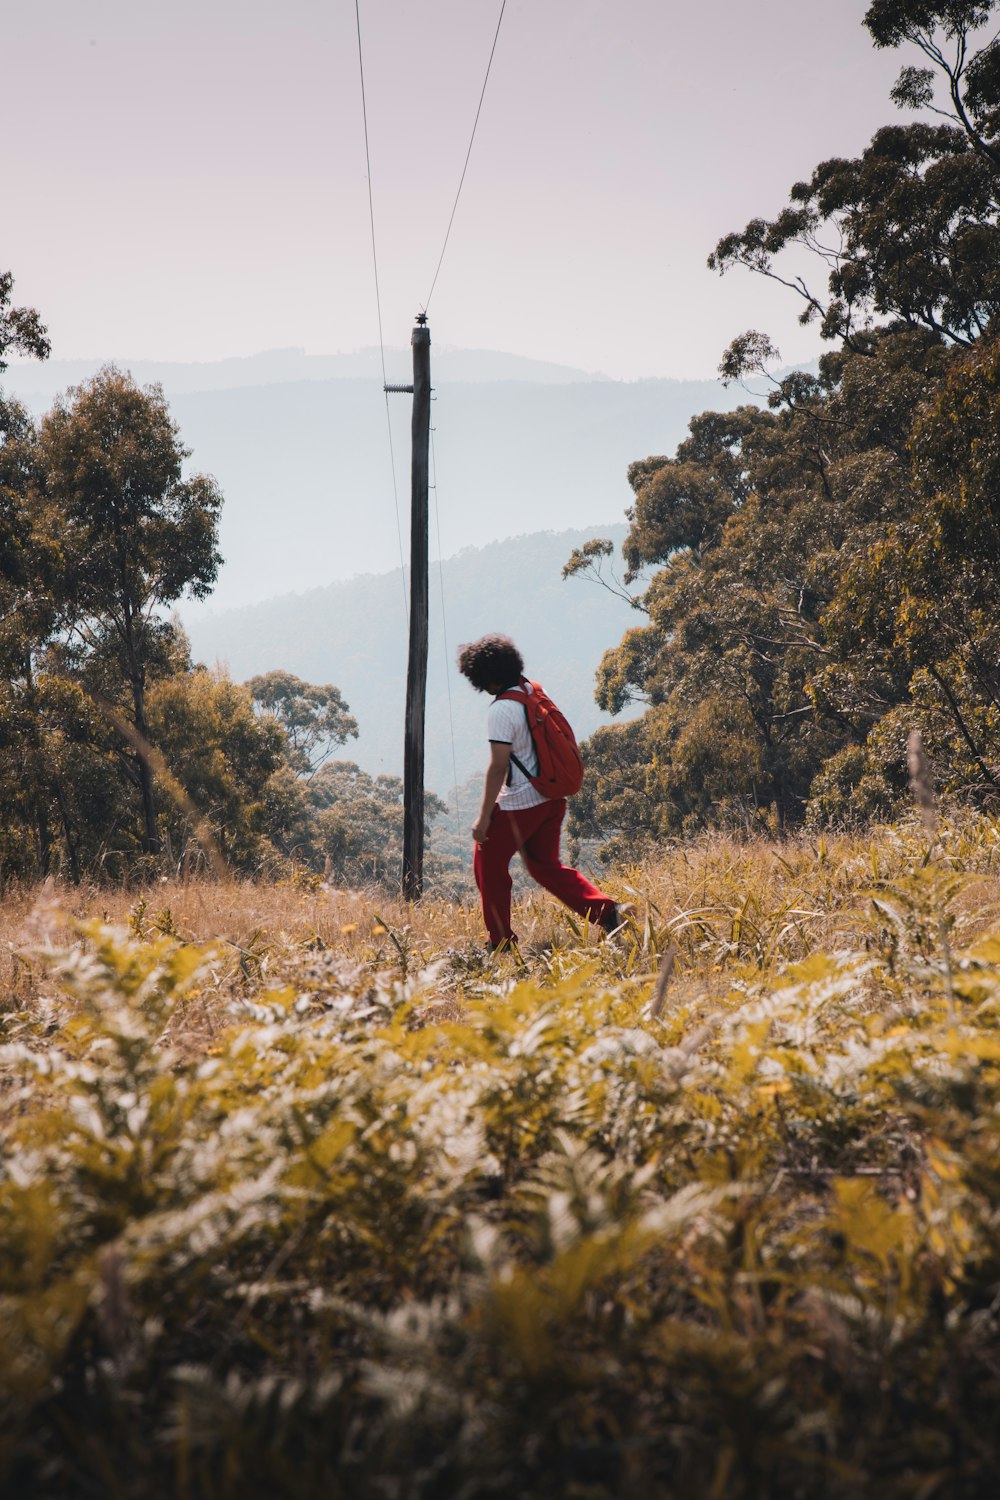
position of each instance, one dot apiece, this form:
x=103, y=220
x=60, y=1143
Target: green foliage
x=747, y=523
x=847, y=596
x=116, y=754
x=21, y=329
x=357, y=824
x=554, y=1247
x=224, y=757
x=135, y=536
x=828, y=568
x=137, y=533
x=922, y=596
x=908, y=231
x=892, y=22
x=685, y=502
x=315, y=719
x=102, y=532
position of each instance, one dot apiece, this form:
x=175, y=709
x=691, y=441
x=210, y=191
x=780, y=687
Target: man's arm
x=496, y=775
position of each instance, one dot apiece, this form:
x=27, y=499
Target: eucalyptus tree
x=134, y=536
x=26, y=606
x=828, y=566
x=314, y=716
x=908, y=232
x=21, y=329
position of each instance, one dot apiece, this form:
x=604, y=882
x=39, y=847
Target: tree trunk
x=36, y=761
x=44, y=840
x=152, y=837
x=963, y=728
x=151, y=840
x=71, y=854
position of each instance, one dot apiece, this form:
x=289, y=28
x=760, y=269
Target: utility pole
x=416, y=670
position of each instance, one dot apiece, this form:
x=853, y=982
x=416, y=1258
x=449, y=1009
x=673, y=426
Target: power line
x=395, y=501
x=468, y=153
x=378, y=304
x=378, y=308
x=437, y=508
x=371, y=205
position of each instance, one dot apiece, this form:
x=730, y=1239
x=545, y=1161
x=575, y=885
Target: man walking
x=515, y=817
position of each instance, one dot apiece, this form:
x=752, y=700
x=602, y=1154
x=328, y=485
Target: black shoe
x=506, y=945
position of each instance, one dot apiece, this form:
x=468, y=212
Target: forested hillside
x=354, y=634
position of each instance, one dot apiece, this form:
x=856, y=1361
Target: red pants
x=534, y=834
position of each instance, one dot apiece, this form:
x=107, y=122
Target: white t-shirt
x=508, y=725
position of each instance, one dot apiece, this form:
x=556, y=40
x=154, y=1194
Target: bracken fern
x=371, y=1218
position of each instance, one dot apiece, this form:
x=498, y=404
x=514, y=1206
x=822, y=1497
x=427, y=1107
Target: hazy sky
x=185, y=179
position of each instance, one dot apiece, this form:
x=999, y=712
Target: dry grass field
x=730, y=907
x=304, y=1194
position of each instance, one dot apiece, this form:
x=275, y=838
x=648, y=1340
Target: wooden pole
x=416, y=672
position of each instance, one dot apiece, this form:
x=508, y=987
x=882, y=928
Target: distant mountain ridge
x=305, y=468
x=354, y=635
x=303, y=460
x=38, y=383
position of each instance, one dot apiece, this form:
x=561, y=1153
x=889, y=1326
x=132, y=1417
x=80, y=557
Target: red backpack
x=560, y=765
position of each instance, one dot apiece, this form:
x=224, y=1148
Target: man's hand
x=496, y=775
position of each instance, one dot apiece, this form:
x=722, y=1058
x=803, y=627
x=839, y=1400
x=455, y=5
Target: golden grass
x=260, y=1188
x=734, y=908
